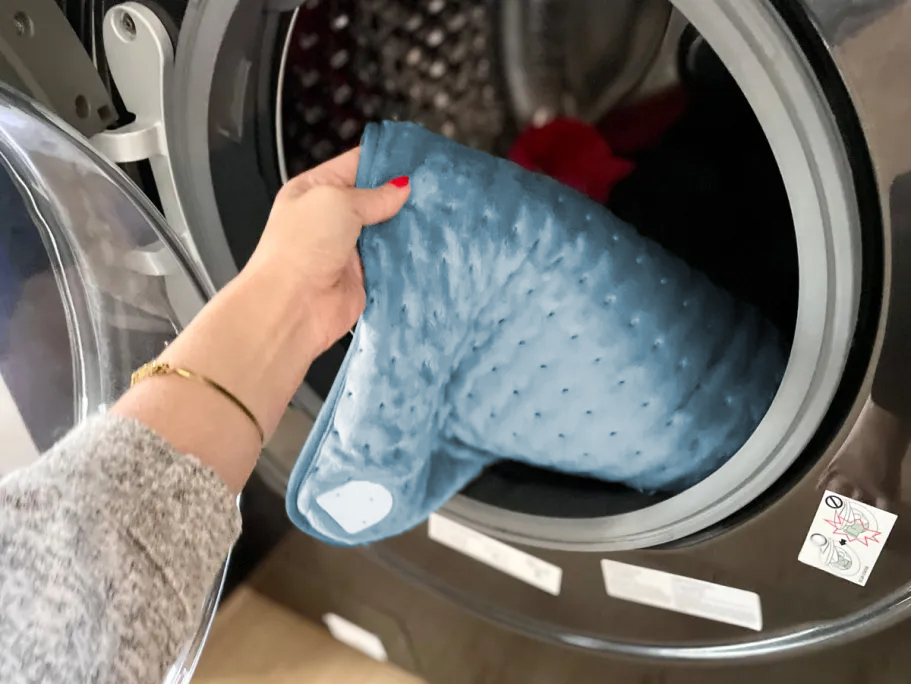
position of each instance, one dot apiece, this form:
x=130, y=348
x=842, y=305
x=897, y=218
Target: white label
x=355, y=636
x=846, y=537
x=682, y=594
x=356, y=505
x=18, y=448
x=534, y=571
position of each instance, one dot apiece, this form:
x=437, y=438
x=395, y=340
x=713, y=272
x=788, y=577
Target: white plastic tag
x=18, y=448
x=682, y=594
x=355, y=636
x=356, y=505
x=534, y=571
x=846, y=537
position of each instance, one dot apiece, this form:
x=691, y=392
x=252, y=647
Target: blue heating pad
x=509, y=317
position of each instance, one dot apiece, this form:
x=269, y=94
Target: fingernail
x=399, y=182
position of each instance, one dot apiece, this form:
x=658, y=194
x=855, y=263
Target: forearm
x=108, y=547
x=110, y=543
x=255, y=339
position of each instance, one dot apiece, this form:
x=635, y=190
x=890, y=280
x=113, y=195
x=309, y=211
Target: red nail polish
x=399, y=182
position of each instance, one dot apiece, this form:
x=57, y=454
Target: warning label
x=846, y=537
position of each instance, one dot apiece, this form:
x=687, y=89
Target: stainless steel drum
x=469, y=69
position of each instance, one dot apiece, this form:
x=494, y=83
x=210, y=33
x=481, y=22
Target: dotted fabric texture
x=509, y=317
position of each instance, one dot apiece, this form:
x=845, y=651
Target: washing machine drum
x=765, y=181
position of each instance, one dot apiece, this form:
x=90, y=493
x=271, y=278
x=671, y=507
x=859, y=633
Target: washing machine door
x=92, y=285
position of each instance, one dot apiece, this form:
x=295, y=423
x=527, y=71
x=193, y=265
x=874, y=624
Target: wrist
x=255, y=339
x=283, y=308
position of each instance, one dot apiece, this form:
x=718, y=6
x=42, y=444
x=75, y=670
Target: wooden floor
x=254, y=639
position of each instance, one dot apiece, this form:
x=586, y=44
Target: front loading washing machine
x=810, y=175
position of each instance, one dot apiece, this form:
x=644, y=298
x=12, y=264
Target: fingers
x=339, y=172
x=369, y=205
x=375, y=205
x=342, y=212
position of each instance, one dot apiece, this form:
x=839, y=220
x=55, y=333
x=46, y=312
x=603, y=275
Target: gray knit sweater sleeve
x=108, y=547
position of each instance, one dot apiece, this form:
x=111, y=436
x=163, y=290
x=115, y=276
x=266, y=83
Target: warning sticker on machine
x=682, y=594
x=846, y=537
x=523, y=566
x=355, y=636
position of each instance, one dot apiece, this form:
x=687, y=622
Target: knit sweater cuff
x=175, y=508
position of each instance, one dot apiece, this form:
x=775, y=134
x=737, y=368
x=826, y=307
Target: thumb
x=375, y=205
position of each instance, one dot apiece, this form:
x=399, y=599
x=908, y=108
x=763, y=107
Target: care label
x=534, y=571
x=355, y=636
x=18, y=448
x=356, y=505
x=682, y=594
x=846, y=537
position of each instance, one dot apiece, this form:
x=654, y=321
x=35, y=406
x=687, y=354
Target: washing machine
x=793, y=145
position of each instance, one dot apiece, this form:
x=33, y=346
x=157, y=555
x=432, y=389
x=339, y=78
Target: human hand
x=302, y=289
x=310, y=239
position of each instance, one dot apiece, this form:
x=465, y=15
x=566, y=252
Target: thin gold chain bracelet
x=155, y=369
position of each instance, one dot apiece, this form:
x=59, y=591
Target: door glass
x=91, y=287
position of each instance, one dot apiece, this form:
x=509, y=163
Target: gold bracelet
x=155, y=369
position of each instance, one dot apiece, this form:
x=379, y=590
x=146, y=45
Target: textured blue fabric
x=509, y=317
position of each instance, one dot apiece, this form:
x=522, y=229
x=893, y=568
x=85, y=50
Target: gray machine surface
x=258, y=90
x=41, y=56
x=424, y=632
